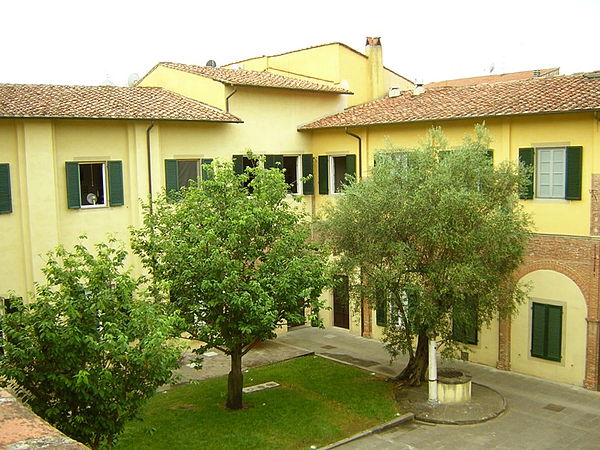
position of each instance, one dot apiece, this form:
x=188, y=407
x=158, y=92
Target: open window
x=333, y=170
x=553, y=172
x=94, y=184
x=180, y=172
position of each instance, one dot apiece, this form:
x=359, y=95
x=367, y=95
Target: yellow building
x=551, y=124
x=77, y=160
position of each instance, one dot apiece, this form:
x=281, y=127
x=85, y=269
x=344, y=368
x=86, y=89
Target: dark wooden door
x=341, y=303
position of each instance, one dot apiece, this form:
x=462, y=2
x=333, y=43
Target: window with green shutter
x=555, y=172
x=308, y=184
x=94, y=184
x=334, y=171
x=5, y=193
x=546, y=331
x=180, y=172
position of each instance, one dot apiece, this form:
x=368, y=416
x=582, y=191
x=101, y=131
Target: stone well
x=453, y=386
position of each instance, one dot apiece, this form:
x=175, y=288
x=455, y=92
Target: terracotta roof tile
x=103, y=102
x=534, y=96
x=493, y=78
x=240, y=77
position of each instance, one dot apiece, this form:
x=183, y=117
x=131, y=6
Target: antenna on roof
x=211, y=63
x=133, y=79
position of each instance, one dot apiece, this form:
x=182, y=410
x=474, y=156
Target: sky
x=87, y=42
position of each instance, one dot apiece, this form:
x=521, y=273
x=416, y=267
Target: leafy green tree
x=87, y=349
x=235, y=255
x=436, y=235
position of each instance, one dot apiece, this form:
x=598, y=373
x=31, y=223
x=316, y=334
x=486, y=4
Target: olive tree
x=234, y=256
x=89, y=349
x=436, y=236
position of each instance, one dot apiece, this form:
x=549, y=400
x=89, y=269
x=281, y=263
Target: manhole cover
x=553, y=407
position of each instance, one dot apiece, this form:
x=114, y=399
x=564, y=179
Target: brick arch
x=559, y=267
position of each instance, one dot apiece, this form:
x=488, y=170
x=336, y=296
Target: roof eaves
x=445, y=119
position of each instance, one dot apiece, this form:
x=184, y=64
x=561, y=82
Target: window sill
x=93, y=206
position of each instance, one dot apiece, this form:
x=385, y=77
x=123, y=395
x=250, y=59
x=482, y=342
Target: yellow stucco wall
x=553, y=216
x=199, y=88
x=553, y=288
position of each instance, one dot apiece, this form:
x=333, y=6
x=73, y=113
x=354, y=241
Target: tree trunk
x=235, y=380
x=416, y=369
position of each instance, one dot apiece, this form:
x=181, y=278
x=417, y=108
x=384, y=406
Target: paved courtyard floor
x=539, y=415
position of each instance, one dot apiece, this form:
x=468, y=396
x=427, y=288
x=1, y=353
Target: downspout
x=149, y=156
x=364, y=307
x=349, y=133
x=228, y=97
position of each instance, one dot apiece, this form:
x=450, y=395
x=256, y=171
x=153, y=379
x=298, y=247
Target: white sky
x=84, y=42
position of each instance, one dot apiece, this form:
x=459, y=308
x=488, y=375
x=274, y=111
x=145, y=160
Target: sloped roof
x=103, y=102
x=239, y=77
x=523, y=97
x=496, y=78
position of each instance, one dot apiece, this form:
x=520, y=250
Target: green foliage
x=318, y=402
x=88, y=352
x=234, y=255
x=437, y=234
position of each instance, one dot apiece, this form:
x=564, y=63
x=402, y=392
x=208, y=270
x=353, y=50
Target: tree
x=87, y=350
x=436, y=236
x=234, y=254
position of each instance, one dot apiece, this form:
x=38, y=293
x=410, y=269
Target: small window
x=551, y=172
x=92, y=181
x=546, y=331
x=333, y=171
x=5, y=194
x=94, y=184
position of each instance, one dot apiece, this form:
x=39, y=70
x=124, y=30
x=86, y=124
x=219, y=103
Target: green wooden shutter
x=5, y=197
x=323, y=175
x=115, y=183
x=526, y=156
x=274, y=162
x=573, y=173
x=351, y=165
x=207, y=174
x=73, y=186
x=538, y=330
x=238, y=164
x=171, y=175
x=308, y=186
x=553, y=332
x=490, y=155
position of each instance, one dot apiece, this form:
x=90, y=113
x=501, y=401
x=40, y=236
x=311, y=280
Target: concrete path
x=540, y=414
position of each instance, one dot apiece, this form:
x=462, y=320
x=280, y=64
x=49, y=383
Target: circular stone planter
x=453, y=386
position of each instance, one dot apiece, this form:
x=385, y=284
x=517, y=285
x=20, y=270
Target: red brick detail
x=595, y=206
x=576, y=258
x=366, y=318
x=504, y=327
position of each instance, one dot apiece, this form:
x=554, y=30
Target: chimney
x=418, y=89
x=375, y=59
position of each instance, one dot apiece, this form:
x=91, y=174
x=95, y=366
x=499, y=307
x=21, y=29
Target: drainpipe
x=359, y=151
x=364, y=308
x=228, y=97
x=149, y=156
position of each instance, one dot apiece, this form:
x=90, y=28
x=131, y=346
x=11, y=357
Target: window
x=546, y=331
x=465, y=331
x=295, y=168
x=179, y=172
x=89, y=183
x=333, y=171
x=554, y=172
x=5, y=194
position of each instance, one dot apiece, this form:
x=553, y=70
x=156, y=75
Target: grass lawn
x=318, y=402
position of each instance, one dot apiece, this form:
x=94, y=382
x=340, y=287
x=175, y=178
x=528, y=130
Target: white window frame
x=104, y=185
x=539, y=151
